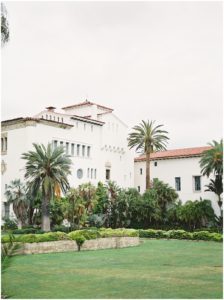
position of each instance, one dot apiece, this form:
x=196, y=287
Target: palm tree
x=216, y=187
x=16, y=194
x=212, y=159
x=47, y=169
x=4, y=25
x=148, y=139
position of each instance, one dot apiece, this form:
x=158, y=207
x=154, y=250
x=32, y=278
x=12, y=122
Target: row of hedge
x=88, y=234
x=84, y=234
x=181, y=235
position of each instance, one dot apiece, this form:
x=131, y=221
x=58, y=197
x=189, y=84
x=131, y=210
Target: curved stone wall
x=67, y=245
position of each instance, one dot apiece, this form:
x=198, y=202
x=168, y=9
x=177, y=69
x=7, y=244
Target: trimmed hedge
x=181, y=235
x=89, y=234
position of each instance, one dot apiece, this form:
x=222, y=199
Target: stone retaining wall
x=67, y=245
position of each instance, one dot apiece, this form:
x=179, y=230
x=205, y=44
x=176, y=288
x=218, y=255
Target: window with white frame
x=67, y=147
x=88, y=173
x=55, y=144
x=139, y=189
x=91, y=173
x=79, y=173
x=88, y=151
x=177, y=183
x=107, y=174
x=140, y=171
x=197, y=183
x=72, y=149
x=78, y=150
x=95, y=173
x=83, y=150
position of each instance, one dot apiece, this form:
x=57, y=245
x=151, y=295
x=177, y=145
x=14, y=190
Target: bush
x=9, y=224
x=24, y=231
x=61, y=228
x=153, y=233
x=108, y=232
x=27, y=238
x=179, y=234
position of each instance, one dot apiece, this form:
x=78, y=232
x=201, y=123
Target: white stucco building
x=92, y=134
x=181, y=170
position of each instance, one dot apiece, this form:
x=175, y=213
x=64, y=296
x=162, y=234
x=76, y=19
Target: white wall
x=167, y=169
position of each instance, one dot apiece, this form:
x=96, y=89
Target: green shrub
x=24, y=231
x=5, y=238
x=217, y=237
x=27, y=238
x=179, y=234
x=9, y=224
x=152, y=233
x=61, y=228
x=109, y=232
x=201, y=235
x=80, y=239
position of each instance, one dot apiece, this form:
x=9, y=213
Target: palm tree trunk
x=45, y=226
x=147, y=171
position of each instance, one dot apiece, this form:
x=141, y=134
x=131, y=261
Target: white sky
x=148, y=60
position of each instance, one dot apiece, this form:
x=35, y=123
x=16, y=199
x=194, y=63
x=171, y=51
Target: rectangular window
x=2, y=144
x=88, y=151
x=91, y=127
x=88, y=173
x=61, y=144
x=83, y=150
x=91, y=173
x=78, y=149
x=140, y=171
x=67, y=148
x=95, y=173
x=107, y=174
x=177, y=184
x=55, y=144
x=139, y=189
x=197, y=183
x=84, y=126
x=72, y=149
x=6, y=144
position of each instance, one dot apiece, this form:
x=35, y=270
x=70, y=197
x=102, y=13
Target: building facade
x=181, y=170
x=94, y=137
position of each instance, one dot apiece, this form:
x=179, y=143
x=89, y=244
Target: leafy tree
x=148, y=138
x=4, y=25
x=165, y=195
x=87, y=192
x=216, y=187
x=74, y=209
x=56, y=212
x=16, y=194
x=47, y=168
x=101, y=199
x=212, y=159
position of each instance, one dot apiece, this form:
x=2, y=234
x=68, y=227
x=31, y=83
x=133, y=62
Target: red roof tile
x=87, y=103
x=176, y=153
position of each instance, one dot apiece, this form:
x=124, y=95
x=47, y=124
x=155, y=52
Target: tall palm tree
x=212, y=159
x=16, y=194
x=148, y=138
x=216, y=187
x=47, y=169
x=4, y=25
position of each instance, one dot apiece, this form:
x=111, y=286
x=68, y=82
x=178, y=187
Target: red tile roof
x=176, y=153
x=87, y=103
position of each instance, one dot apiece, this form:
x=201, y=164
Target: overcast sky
x=148, y=60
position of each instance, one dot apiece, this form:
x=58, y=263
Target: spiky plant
x=47, y=168
x=148, y=138
x=16, y=195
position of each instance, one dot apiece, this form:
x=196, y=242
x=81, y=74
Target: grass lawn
x=155, y=269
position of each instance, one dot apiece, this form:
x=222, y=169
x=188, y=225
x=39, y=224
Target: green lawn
x=155, y=269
